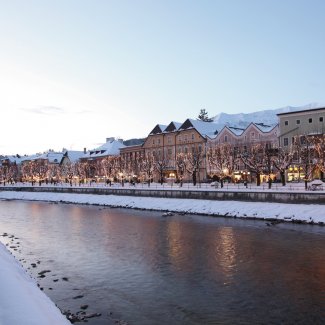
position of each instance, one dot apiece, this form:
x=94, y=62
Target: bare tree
x=148, y=166
x=252, y=158
x=160, y=166
x=305, y=154
x=319, y=148
x=180, y=167
x=193, y=163
x=222, y=161
x=282, y=162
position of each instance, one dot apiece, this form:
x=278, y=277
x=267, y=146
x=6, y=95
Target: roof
x=204, y=128
x=159, y=128
x=110, y=148
x=12, y=159
x=235, y=130
x=73, y=155
x=173, y=126
x=265, y=128
x=302, y=111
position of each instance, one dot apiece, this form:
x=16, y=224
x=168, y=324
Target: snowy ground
x=21, y=302
x=312, y=213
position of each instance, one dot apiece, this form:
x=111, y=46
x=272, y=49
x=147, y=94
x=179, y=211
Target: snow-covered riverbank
x=21, y=301
x=311, y=213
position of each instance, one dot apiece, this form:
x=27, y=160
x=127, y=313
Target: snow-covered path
x=21, y=301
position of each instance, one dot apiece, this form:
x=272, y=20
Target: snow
x=262, y=210
x=266, y=116
x=21, y=301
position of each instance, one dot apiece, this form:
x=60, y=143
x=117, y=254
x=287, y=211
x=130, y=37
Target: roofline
x=302, y=111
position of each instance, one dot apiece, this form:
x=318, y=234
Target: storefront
x=295, y=174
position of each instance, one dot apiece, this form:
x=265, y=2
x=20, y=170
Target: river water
x=138, y=267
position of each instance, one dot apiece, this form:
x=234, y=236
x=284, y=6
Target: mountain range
x=268, y=117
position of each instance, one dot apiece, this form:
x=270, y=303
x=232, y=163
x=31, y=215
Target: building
x=300, y=123
x=302, y=133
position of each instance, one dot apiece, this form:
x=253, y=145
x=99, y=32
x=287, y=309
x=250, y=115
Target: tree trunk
x=194, y=178
x=270, y=182
x=283, y=179
x=258, y=179
x=306, y=183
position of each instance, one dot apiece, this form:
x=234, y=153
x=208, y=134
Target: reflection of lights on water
x=225, y=250
x=176, y=249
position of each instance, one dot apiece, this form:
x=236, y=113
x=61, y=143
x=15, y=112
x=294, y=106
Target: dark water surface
x=141, y=268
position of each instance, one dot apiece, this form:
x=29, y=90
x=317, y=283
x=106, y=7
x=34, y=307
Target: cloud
x=45, y=110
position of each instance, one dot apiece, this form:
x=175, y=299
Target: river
x=140, y=268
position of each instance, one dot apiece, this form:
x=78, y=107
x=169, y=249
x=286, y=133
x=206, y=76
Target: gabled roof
x=236, y=130
x=110, y=148
x=204, y=128
x=172, y=126
x=264, y=128
x=159, y=128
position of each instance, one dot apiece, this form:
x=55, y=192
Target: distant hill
x=267, y=117
x=133, y=142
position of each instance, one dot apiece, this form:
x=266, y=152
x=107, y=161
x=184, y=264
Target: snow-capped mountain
x=267, y=117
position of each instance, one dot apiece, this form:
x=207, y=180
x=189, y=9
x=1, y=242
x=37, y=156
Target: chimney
x=85, y=150
x=110, y=139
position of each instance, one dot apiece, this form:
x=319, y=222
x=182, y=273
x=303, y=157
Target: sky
x=74, y=72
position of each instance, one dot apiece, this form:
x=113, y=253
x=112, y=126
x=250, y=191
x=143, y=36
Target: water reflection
x=225, y=251
x=146, y=269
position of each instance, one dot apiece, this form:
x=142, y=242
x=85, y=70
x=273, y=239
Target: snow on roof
x=237, y=131
x=265, y=128
x=73, y=155
x=110, y=148
x=204, y=128
x=12, y=159
x=159, y=128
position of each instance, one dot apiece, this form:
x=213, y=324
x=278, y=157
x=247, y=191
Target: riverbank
x=282, y=212
x=21, y=301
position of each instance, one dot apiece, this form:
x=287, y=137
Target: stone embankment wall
x=248, y=196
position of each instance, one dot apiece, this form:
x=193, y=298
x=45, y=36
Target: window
x=285, y=142
x=302, y=140
x=253, y=135
x=286, y=122
x=158, y=141
x=310, y=120
x=153, y=141
x=185, y=137
x=321, y=119
x=169, y=140
x=192, y=136
x=298, y=122
x=170, y=152
x=226, y=138
x=185, y=150
x=180, y=138
x=200, y=148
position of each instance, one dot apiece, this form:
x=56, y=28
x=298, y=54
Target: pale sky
x=73, y=72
